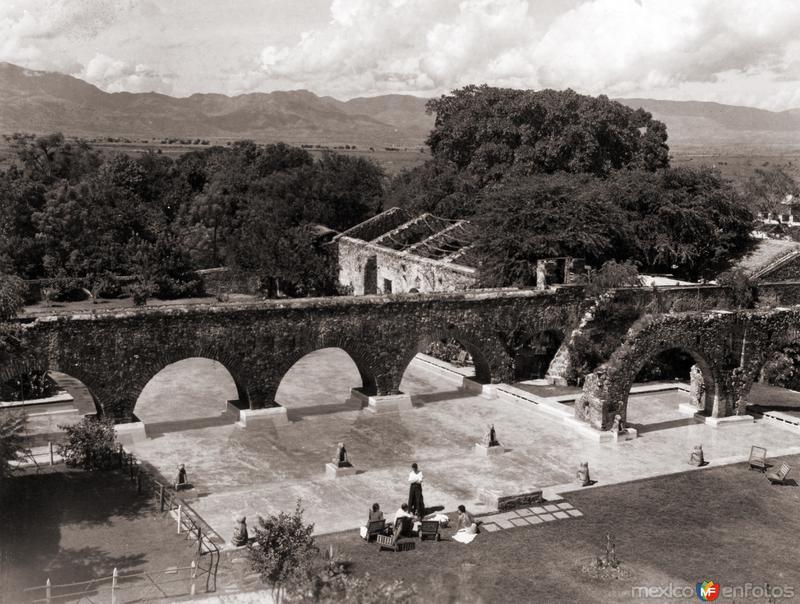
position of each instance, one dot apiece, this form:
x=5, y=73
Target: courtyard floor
x=265, y=470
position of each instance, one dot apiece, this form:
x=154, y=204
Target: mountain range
x=38, y=101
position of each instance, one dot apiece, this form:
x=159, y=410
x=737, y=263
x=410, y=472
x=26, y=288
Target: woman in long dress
x=416, y=504
x=466, y=527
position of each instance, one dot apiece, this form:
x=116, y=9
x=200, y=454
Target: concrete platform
x=486, y=451
x=386, y=403
x=272, y=416
x=333, y=471
x=130, y=434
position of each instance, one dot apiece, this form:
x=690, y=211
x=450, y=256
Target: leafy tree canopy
x=495, y=132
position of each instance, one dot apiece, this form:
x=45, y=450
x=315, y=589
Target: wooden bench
x=758, y=458
x=779, y=477
x=374, y=528
x=399, y=544
x=429, y=529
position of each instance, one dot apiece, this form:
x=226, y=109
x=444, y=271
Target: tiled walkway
x=528, y=516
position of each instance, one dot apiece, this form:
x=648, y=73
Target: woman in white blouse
x=416, y=505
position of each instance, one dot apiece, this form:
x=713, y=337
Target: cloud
x=29, y=28
x=114, y=75
x=618, y=47
x=401, y=44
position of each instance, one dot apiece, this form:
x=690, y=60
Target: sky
x=744, y=52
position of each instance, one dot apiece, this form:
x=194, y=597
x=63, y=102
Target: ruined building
x=394, y=252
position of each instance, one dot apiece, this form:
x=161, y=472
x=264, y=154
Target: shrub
x=612, y=274
x=284, y=552
x=12, y=440
x=90, y=444
x=741, y=288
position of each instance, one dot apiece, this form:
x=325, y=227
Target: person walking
x=416, y=504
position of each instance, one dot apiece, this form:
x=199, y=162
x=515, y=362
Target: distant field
x=392, y=161
x=737, y=162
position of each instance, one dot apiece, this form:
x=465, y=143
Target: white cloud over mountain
x=737, y=51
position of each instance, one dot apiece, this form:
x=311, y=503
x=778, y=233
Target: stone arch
x=361, y=355
x=606, y=391
x=492, y=363
x=535, y=350
x=757, y=354
x=20, y=366
x=148, y=366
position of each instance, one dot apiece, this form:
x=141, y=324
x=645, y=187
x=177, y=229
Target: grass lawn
x=728, y=524
x=73, y=526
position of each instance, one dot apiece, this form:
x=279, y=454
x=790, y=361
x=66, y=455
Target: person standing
x=416, y=504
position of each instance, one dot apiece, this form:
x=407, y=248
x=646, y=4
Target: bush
x=90, y=444
x=742, y=289
x=612, y=274
x=284, y=552
x=12, y=440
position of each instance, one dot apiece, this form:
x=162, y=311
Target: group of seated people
x=406, y=524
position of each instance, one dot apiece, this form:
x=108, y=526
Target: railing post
x=114, y=586
x=179, y=518
x=161, y=497
x=51, y=452
x=47, y=591
x=194, y=576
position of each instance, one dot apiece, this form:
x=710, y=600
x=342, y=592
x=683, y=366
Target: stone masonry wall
x=404, y=271
x=115, y=353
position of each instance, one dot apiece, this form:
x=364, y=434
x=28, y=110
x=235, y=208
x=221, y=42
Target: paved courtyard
x=265, y=470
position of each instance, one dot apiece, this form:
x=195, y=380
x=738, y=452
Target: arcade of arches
x=117, y=353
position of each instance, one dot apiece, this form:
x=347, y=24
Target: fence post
x=121, y=455
x=51, y=452
x=180, y=508
x=138, y=482
x=47, y=591
x=199, y=541
x=194, y=576
x=130, y=464
x=161, y=497
x=114, y=586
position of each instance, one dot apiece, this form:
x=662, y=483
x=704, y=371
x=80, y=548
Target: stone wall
x=403, y=271
x=729, y=348
x=115, y=353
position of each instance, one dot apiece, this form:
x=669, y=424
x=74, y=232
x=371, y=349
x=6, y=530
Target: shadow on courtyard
x=157, y=429
x=73, y=526
x=665, y=425
x=420, y=400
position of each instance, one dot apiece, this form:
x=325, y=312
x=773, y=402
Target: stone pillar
x=592, y=405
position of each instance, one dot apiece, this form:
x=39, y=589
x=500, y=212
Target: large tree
x=493, y=132
x=683, y=221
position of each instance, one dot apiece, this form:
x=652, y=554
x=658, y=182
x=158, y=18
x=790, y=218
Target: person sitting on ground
x=466, y=526
x=465, y=519
x=180, y=479
x=240, y=535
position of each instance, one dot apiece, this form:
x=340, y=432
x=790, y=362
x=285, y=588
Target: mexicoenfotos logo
x=707, y=591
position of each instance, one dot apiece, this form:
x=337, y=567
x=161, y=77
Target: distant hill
x=38, y=101
x=698, y=123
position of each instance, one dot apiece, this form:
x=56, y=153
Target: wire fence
x=200, y=576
